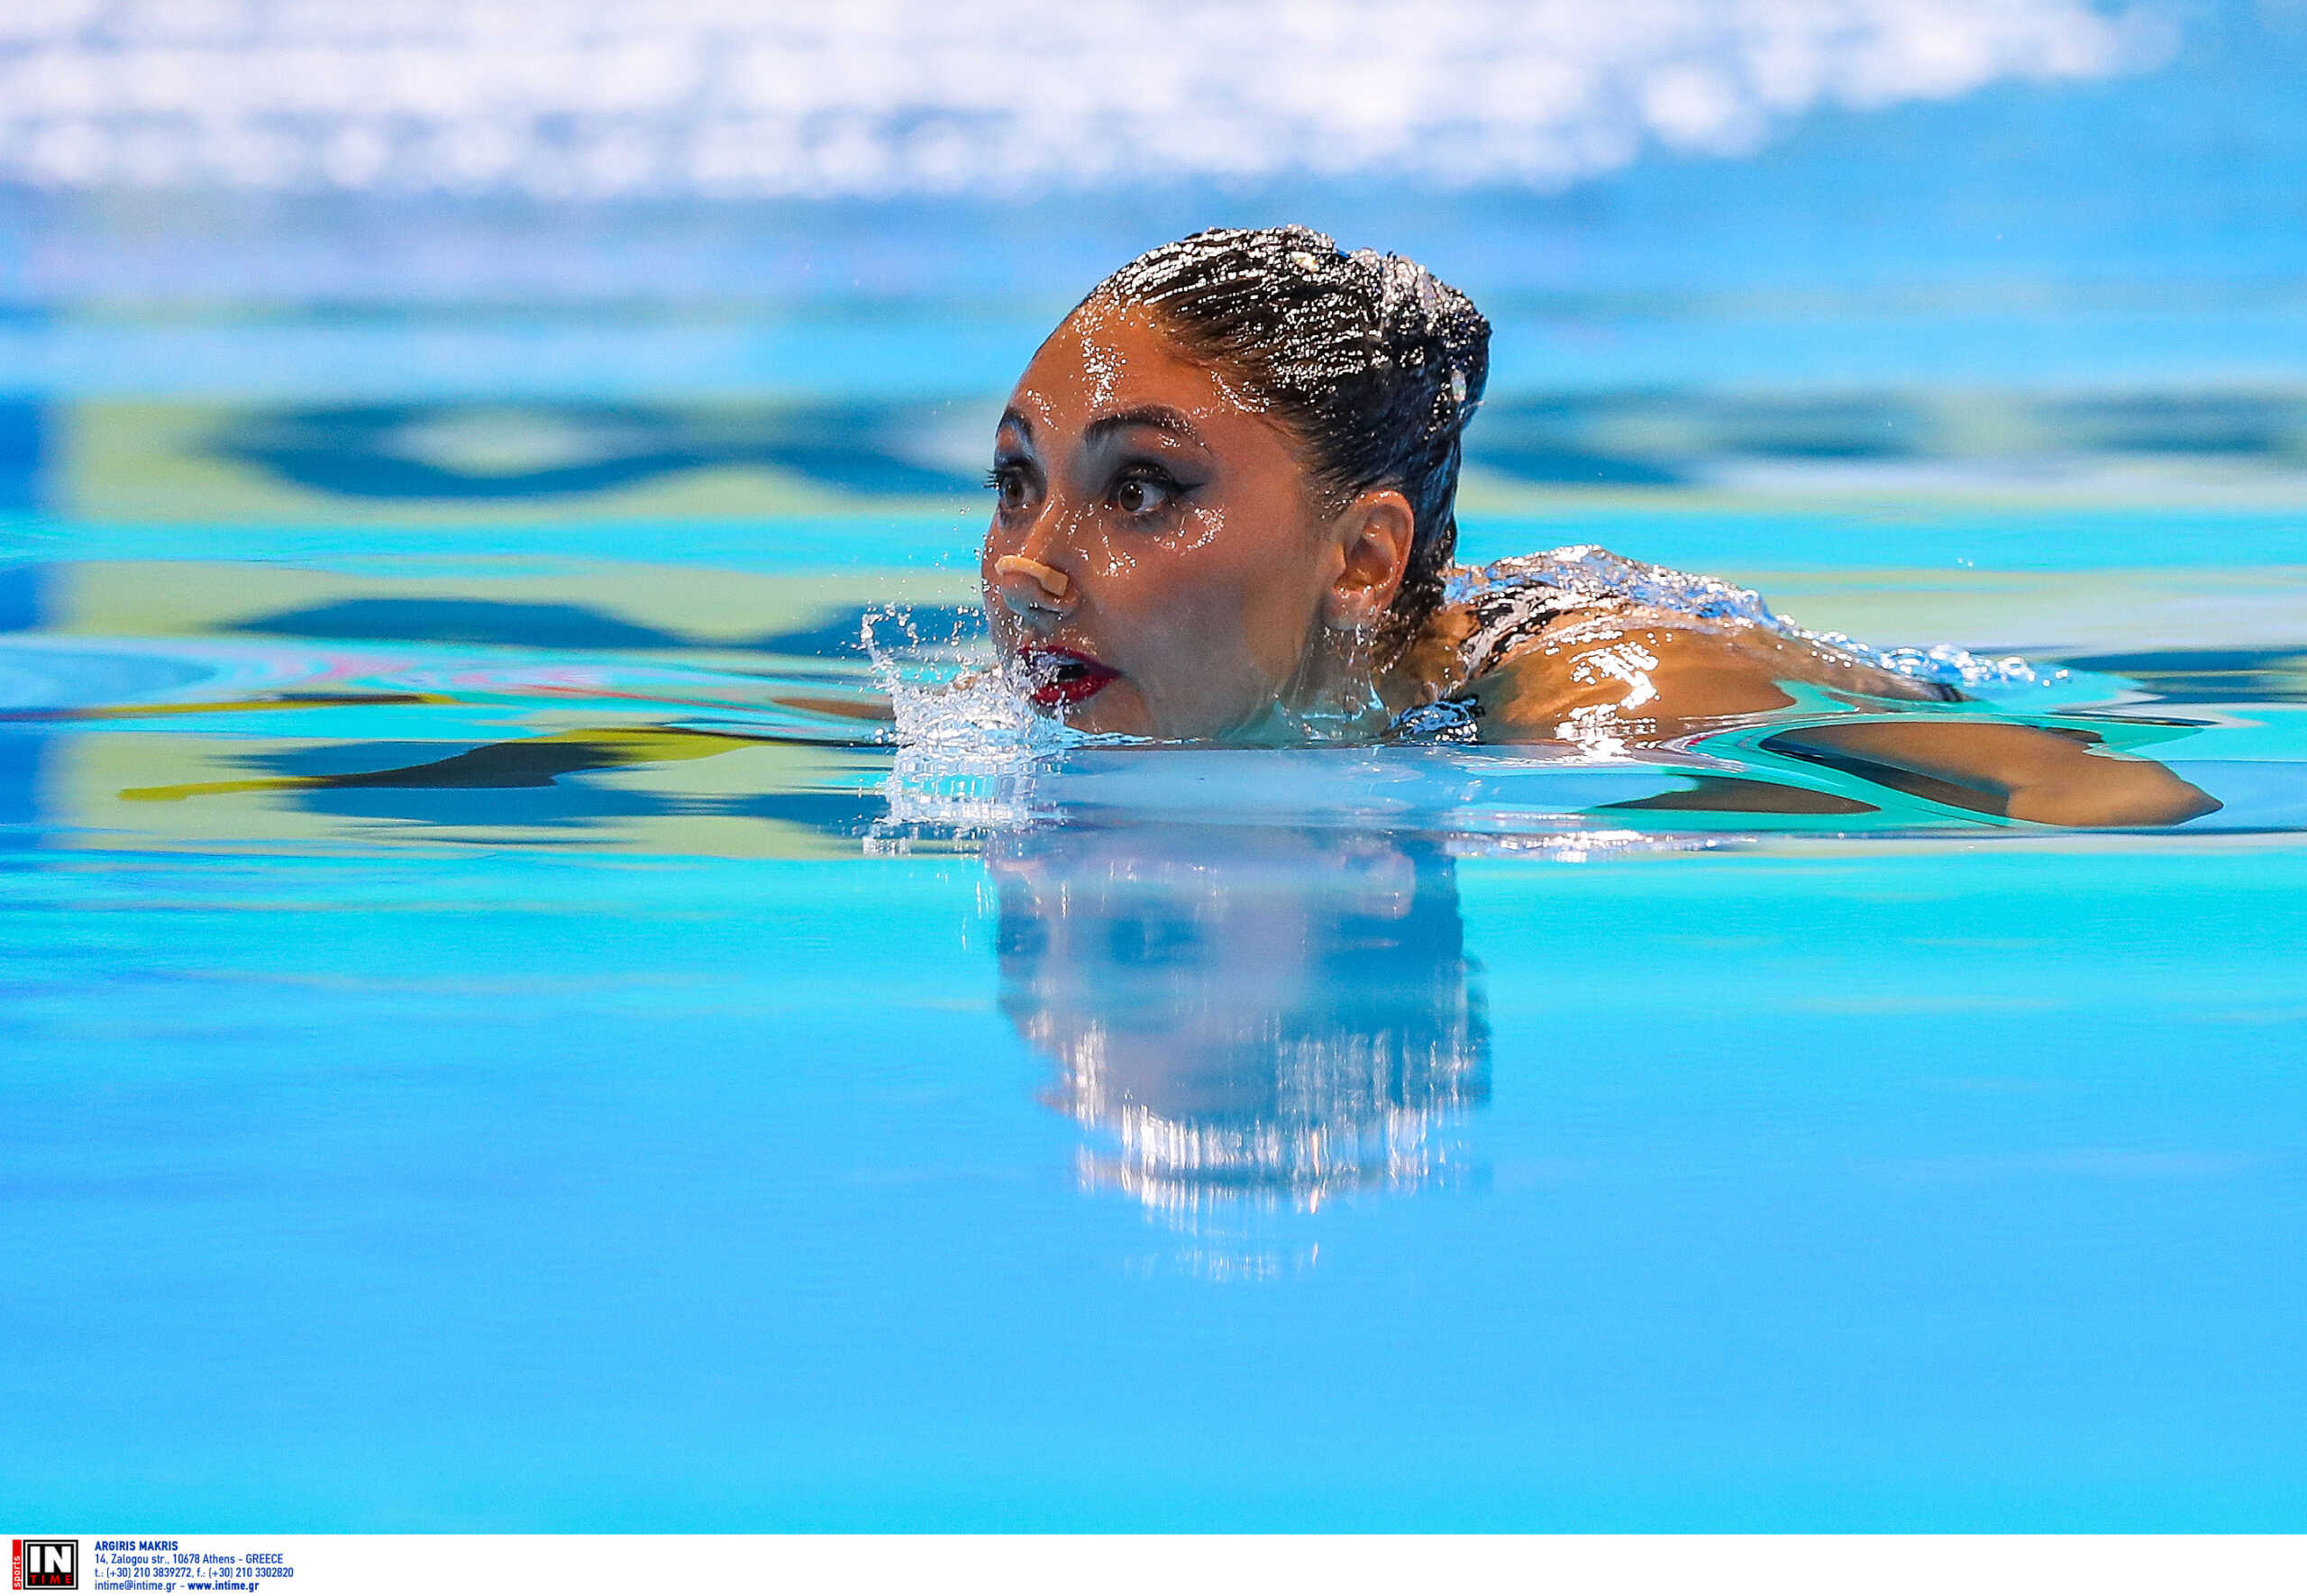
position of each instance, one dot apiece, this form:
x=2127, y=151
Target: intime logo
x=45, y=1565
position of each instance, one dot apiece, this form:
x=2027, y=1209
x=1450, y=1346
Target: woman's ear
x=1373, y=536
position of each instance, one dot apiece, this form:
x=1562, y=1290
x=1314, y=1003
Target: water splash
x=940, y=701
x=969, y=745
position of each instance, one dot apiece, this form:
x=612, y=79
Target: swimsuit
x=1506, y=617
x=1511, y=604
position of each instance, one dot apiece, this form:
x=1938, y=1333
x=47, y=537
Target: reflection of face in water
x=1243, y=1010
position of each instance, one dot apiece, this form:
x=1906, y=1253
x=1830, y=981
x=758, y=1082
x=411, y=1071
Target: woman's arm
x=1645, y=678
x=2028, y=773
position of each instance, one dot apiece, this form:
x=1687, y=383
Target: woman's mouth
x=1055, y=677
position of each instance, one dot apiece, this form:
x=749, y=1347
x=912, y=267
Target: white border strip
x=1195, y=1565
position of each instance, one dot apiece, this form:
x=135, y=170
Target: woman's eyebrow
x=1160, y=417
x=1011, y=418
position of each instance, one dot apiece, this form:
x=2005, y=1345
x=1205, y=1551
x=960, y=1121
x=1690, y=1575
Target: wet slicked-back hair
x=1371, y=362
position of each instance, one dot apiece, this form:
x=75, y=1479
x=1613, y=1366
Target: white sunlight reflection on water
x=706, y=99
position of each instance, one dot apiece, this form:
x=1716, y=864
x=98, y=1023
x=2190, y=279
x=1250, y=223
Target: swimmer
x=1224, y=510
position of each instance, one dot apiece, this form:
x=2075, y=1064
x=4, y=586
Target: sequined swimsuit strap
x=1507, y=618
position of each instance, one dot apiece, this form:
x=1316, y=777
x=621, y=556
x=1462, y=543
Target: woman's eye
x=1142, y=496
x=1009, y=485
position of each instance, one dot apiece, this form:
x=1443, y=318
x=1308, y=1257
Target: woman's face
x=1157, y=563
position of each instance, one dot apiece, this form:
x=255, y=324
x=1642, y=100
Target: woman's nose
x=1027, y=586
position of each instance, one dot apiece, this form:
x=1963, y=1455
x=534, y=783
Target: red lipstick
x=1063, y=675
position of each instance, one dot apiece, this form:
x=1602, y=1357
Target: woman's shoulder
x=1489, y=614
x=1555, y=637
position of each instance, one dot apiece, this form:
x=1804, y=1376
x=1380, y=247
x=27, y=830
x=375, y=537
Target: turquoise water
x=586, y=1082
x=493, y=1041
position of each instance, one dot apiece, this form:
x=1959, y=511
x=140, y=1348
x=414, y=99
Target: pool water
x=499, y=1035
x=499, y=1038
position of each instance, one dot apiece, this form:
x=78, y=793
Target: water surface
x=493, y=1042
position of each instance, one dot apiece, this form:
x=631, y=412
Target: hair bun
x=1430, y=330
